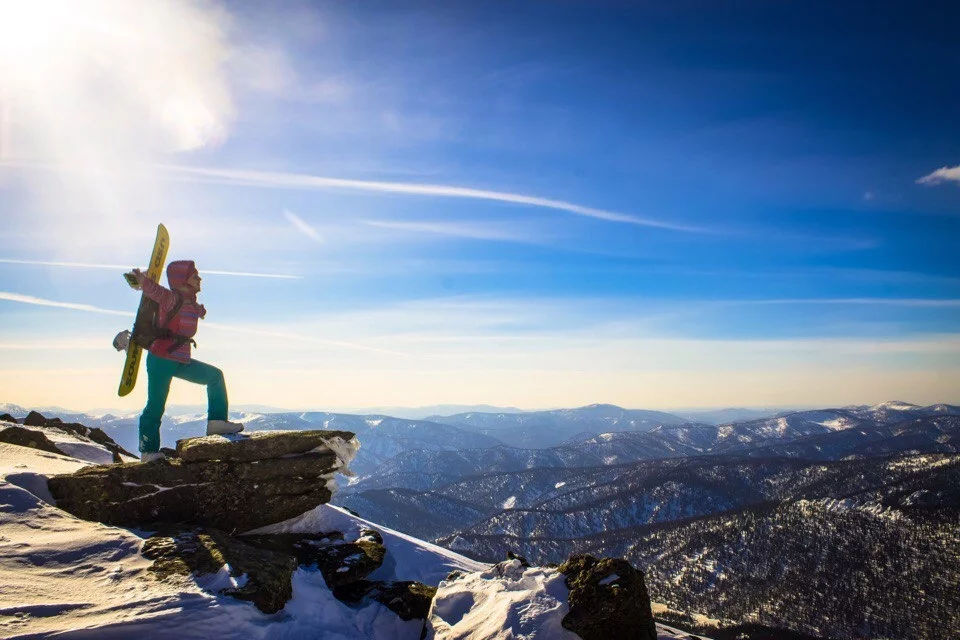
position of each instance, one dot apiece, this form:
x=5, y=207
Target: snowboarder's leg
x=159, y=373
x=205, y=374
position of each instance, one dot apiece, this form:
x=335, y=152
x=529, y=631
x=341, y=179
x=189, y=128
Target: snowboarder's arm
x=158, y=293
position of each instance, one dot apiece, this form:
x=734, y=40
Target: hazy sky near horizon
x=529, y=204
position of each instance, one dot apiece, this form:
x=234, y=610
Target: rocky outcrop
x=406, y=598
x=212, y=487
x=233, y=483
x=340, y=562
x=259, y=445
x=34, y=419
x=263, y=576
x=608, y=599
x=93, y=434
x=28, y=438
x=261, y=566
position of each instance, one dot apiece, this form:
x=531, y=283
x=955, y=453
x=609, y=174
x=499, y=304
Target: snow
x=510, y=602
x=506, y=601
x=69, y=577
x=60, y=575
x=893, y=405
x=407, y=558
x=836, y=424
x=610, y=578
x=510, y=502
x=345, y=451
x=919, y=463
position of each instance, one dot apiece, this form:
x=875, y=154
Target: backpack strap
x=176, y=309
x=178, y=341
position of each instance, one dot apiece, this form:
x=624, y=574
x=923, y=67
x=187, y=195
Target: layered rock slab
x=259, y=445
x=276, y=475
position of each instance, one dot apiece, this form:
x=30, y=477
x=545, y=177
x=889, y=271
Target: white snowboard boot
x=223, y=427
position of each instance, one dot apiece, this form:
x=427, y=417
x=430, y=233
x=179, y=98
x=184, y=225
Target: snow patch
x=407, y=558
x=919, y=463
x=506, y=601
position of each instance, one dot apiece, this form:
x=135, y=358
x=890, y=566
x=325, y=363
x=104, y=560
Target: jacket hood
x=178, y=271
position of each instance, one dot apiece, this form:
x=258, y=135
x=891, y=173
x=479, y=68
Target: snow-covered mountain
x=383, y=436
x=814, y=544
x=549, y=428
x=67, y=577
x=799, y=435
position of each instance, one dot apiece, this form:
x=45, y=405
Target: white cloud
x=283, y=180
x=53, y=345
x=282, y=335
x=302, y=226
x=459, y=229
x=17, y=297
x=943, y=174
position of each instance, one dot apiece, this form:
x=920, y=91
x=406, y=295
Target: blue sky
x=671, y=206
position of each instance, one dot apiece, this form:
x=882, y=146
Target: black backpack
x=149, y=326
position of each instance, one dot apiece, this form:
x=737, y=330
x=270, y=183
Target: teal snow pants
x=160, y=371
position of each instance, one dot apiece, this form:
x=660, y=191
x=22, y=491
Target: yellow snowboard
x=132, y=364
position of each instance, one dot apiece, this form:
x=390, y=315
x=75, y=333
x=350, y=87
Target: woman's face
x=194, y=282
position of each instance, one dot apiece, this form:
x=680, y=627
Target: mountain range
x=836, y=522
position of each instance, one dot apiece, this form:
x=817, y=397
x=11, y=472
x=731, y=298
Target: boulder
x=257, y=445
x=34, y=419
x=407, y=599
x=214, y=489
x=28, y=438
x=608, y=599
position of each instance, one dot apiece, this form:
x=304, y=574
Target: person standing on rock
x=169, y=357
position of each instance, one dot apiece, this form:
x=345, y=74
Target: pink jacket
x=185, y=322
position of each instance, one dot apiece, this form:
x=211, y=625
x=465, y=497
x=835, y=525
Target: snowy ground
x=508, y=602
x=70, y=578
x=76, y=579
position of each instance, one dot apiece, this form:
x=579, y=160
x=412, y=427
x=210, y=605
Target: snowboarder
x=169, y=357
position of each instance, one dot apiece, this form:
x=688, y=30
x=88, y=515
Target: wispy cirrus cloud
x=941, y=175
x=284, y=180
x=899, y=302
x=302, y=226
x=75, y=306
x=43, y=302
x=458, y=229
x=115, y=267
